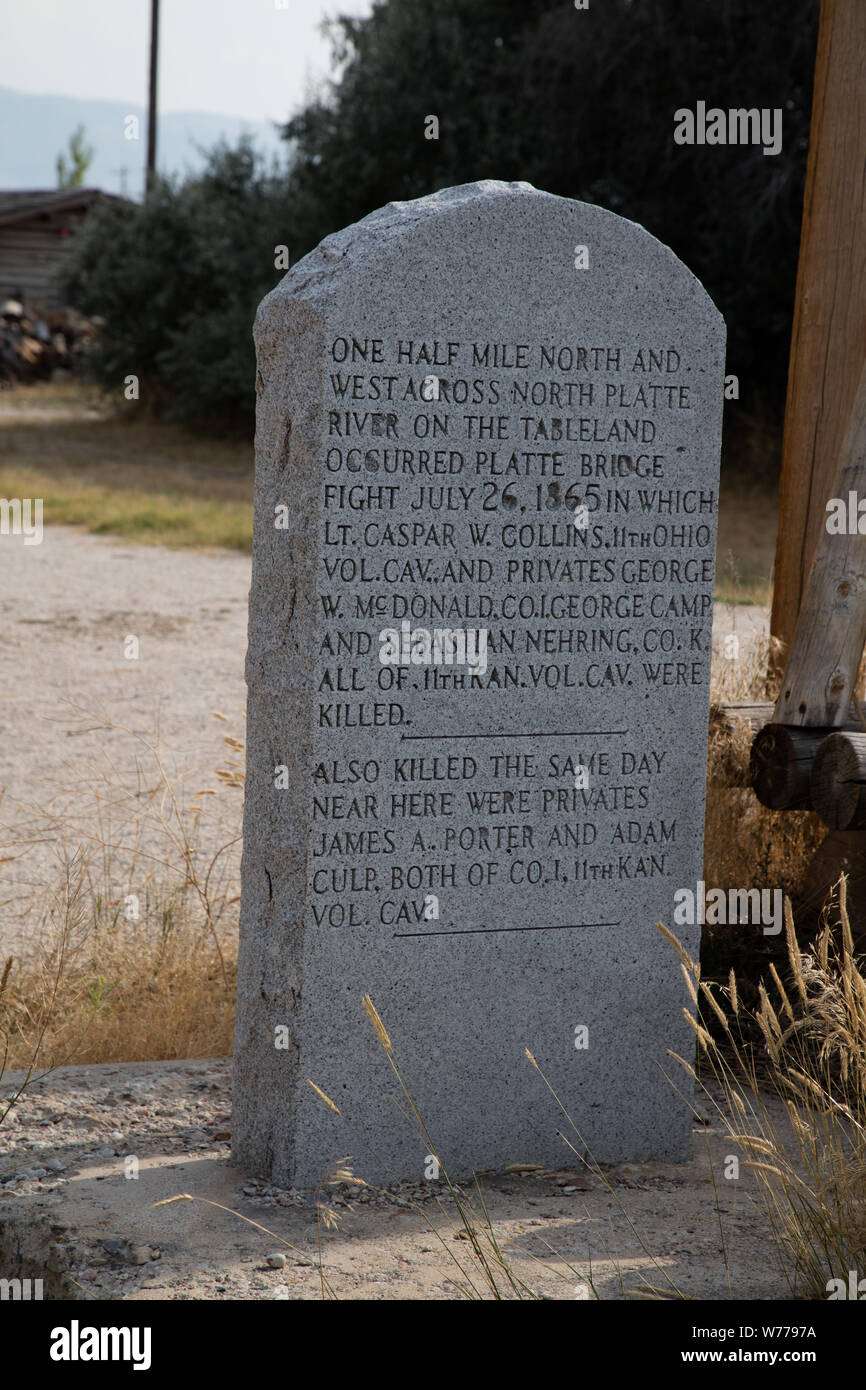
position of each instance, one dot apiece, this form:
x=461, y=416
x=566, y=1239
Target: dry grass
x=812, y=1027
x=116, y=472
x=127, y=992
x=149, y=516
x=746, y=845
x=135, y=954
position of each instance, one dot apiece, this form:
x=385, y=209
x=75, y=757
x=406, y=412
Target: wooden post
x=828, y=345
x=821, y=673
x=820, y=677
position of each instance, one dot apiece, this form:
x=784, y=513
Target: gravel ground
x=72, y=1213
x=67, y=607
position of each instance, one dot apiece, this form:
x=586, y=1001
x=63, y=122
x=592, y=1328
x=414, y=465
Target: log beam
x=839, y=781
x=781, y=765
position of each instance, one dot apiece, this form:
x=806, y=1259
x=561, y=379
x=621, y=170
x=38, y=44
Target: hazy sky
x=242, y=57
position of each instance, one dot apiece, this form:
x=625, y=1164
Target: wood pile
x=38, y=345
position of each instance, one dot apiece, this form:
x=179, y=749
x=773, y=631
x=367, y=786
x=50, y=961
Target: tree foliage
x=71, y=171
x=177, y=281
x=581, y=103
x=578, y=102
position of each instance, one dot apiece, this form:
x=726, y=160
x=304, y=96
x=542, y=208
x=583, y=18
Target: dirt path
x=68, y=607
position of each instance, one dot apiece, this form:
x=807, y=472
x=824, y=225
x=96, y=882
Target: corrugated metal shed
x=35, y=232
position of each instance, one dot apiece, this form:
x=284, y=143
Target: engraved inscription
x=523, y=526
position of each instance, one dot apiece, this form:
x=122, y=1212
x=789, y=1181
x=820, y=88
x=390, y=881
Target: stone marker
x=492, y=415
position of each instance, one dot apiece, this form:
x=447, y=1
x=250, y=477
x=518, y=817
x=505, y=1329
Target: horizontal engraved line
x=579, y=733
x=487, y=931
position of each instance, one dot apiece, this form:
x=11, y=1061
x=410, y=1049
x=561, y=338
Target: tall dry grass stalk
x=811, y=1171
x=134, y=956
x=29, y=1021
x=486, y=1270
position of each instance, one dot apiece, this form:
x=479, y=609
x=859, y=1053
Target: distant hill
x=35, y=129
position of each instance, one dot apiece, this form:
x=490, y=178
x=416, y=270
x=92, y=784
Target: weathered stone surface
x=441, y=391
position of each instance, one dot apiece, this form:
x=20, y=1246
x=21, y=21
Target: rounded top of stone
x=353, y=242
x=320, y=273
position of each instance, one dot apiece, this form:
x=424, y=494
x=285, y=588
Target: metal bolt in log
x=780, y=766
x=839, y=781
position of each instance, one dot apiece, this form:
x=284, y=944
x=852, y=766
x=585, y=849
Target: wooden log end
x=838, y=781
x=780, y=766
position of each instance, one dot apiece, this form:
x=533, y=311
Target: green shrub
x=177, y=281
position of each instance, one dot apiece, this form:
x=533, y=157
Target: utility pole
x=151, y=99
